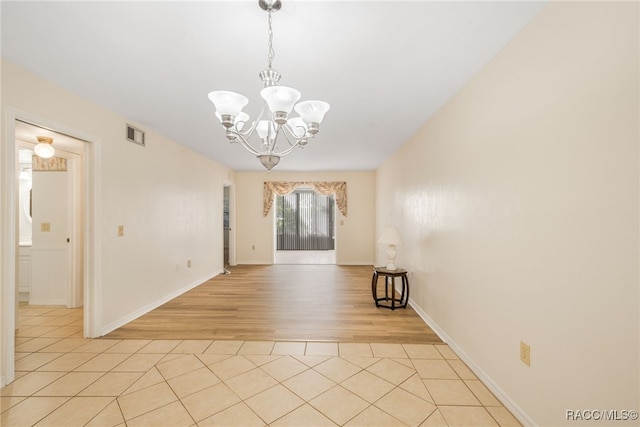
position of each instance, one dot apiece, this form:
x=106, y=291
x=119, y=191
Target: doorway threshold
x=304, y=257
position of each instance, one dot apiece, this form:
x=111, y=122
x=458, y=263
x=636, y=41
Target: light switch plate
x=525, y=353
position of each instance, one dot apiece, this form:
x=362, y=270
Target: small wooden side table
x=390, y=288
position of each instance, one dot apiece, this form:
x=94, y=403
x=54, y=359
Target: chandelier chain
x=271, y=52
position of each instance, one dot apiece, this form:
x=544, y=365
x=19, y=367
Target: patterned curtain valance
x=339, y=188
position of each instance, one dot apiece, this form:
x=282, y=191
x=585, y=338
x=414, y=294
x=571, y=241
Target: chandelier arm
x=287, y=151
x=245, y=144
x=286, y=131
x=243, y=136
x=290, y=134
x=273, y=141
x=247, y=134
x=293, y=145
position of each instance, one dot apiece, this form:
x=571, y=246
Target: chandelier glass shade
x=273, y=121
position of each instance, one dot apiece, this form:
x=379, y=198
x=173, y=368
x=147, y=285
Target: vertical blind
x=305, y=221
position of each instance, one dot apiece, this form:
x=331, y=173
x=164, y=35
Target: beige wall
x=518, y=203
x=354, y=233
x=168, y=198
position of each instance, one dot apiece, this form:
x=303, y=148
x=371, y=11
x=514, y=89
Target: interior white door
x=51, y=250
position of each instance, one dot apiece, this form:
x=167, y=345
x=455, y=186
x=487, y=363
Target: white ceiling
x=384, y=66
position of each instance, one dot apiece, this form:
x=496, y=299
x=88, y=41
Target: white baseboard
x=512, y=406
x=155, y=304
x=356, y=263
x=349, y=263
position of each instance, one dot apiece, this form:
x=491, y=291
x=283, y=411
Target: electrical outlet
x=121, y=231
x=188, y=263
x=525, y=353
x=45, y=227
x=253, y=247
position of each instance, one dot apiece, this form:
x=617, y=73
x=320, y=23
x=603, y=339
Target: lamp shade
x=44, y=149
x=312, y=111
x=280, y=98
x=391, y=236
x=228, y=103
x=266, y=128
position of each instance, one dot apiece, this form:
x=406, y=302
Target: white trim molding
x=9, y=226
x=515, y=409
x=155, y=304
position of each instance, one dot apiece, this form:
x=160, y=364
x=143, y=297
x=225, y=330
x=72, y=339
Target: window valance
x=326, y=188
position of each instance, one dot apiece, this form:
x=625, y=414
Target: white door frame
x=76, y=233
x=232, y=222
x=9, y=227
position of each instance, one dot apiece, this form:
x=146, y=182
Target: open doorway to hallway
x=51, y=263
x=226, y=226
x=50, y=218
x=79, y=290
x=228, y=206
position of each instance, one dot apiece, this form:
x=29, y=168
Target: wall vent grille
x=135, y=135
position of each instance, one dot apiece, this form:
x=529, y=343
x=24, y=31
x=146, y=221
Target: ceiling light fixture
x=279, y=101
x=44, y=148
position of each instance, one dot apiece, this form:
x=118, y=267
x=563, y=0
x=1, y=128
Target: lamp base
x=391, y=254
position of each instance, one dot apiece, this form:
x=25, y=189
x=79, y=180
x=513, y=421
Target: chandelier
x=274, y=119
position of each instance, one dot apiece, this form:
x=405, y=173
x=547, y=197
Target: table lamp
x=391, y=237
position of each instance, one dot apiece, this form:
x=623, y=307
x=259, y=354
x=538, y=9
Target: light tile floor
x=65, y=380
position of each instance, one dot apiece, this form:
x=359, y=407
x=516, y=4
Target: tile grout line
x=342, y=353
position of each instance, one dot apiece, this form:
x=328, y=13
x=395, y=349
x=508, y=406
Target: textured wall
x=518, y=203
x=354, y=233
x=168, y=198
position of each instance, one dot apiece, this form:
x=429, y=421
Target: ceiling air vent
x=135, y=135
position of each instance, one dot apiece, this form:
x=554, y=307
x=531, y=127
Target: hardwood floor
x=282, y=303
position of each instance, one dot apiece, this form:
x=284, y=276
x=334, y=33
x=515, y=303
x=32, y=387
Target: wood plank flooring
x=282, y=303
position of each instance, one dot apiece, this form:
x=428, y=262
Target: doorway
x=50, y=219
x=225, y=226
x=228, y=247
x=21, y=132
x=305, y=228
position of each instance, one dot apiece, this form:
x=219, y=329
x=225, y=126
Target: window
x=305, y=221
